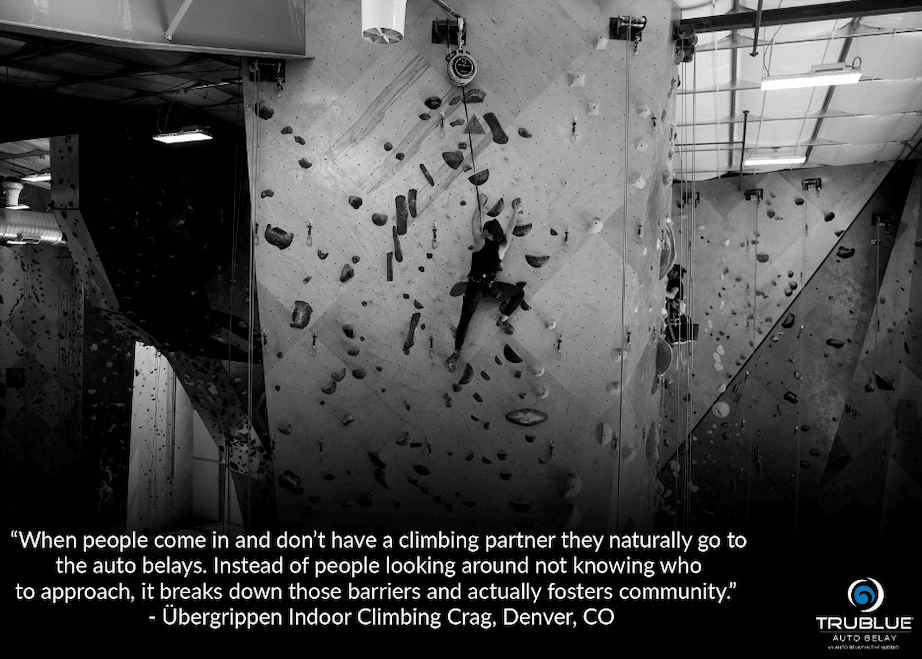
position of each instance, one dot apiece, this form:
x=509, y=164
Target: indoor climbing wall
x=771, y=372
x=365, y=170
x=41, y=353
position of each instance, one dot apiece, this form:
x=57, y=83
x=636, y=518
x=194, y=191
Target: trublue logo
x=866, y=595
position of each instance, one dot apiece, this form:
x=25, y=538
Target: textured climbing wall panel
x=364, y=193
x=41, y=353
x=748, y=262
x=804, y=429
x=160, y=465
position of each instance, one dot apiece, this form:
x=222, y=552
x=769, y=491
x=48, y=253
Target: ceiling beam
x=833, y=114
x=803, y=14
x=35, y=153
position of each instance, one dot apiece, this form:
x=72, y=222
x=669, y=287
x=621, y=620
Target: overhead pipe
x=755, y=35
x=19, y=227
x=743, y=147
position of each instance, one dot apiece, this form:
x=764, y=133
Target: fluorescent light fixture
x=37, y=178
x=188, y=134
x=777, y=160
x=821, y=75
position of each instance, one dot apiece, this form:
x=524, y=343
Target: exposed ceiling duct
x=20, y=227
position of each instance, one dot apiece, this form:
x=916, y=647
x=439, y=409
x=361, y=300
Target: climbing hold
x=278, y=237
x=388, y=146
x=286, y=430
x=425, y=116
x=883, y=383
x=422, y=470
x=612, y=387
x=845, y=252
x=478, y=397
x=321, y=254
x=457, y=122
x=639, y=182
x=301, y=315
x=263, y=110
x=505, y=475
x=536, y=261
x=381, y=478
x=524, y=133
x=595, y=225
x=307, y=279
x=305, y=163
x=511, y=355
x=356, y=259
x=403, y=439
x=474, y=95
x=644, y=111
x=338, y=376
x=526, y=417
x=453, y=158
x=521, y=505
x=266, y=193
x=379, y=219
x=358, y=373
x=291, y=482
x=537, y=370
x=433, y=102
x=355, y=202
x=480, y=177
x=349, y=331
x=762, y=258
x=402, y=213
x=790, y=397
x=417, y=304
x=468, y=374
x=398, y=252
x=571, y=486
x=447, y=400
x=426, y=173
x=630, y=455
x=346, y=420
x=411, y=334
x=788, y=321
x=720, y=410
x=835, y=343
x=541, y=391
x=606, y=434
x=799, y=201
x=400, y=155
x=771, y=214
x=829, y=217
x=499, y=135
x=411, y=202
x=497, y=208
x=300, y=140
x=521, y=229
x=287, y=130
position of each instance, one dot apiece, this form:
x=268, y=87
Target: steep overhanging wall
x=368, y=426
x=776, y=430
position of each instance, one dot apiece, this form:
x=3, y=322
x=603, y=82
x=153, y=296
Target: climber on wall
x=491, y=241
x=679, y=328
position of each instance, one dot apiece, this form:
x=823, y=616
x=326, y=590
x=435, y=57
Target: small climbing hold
x=404, y=439
x=426, y=173
x=355, y=202
x=541, y=391
x=521, y=505
x=422, y=470
x=291, y=482
x=286, y=430
x=606, y=434
x=485, y=375
x=845, y=252
x=474, y=95
x=762, y=258
x=388, y=146
x=771, y=214
x=433, y=102
x=300, y=140
x=379, y=219
x=829, y=217
x=835, y=343
x=612, y=387
x=595, y=225
x=486, y=460
x=630, y=455
x=307, y=279
x=400, y=155
x=381, y=478
x=480, y=177
x=301, y=315
x=403, y=212
x=536, y=261
x=526, y=417
x=537, y=370
x=457, y=122
x=799, y=201
x=266, y=193
x=521, y=229
x=305, y=163
x=359, y=373
x=349, y=331
x=411, y=334
x=790, y=397
x=505, y=475
x=278, y=237
x=883, y=383
x=524, y=133
x=499, y=135
x=411, y=202
x=346, y=420
x=448, y=400
x=287, y=130
x=425, y=116
x=553, y=231
x=453, y=158
x=497, y=208
x=478, y=397
x=417, y=304
x=338, y=376
x=322, y=255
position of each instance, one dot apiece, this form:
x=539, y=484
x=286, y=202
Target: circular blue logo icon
x=866, y=595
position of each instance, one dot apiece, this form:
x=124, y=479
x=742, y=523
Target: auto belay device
x=461, y=66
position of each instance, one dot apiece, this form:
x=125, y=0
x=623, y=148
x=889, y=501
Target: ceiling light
x=383, y=20
x=821, y=75
x=43, y=177
x=775, y=160
x=188, y=134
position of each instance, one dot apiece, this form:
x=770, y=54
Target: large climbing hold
x=301, y=315
x=499, y=135
x=497, y=208
x=511, y=355
x=468, y=375
x=536, y=261
x=571, y=486
x=526, y=417
x=411, y=334
x=402, y=213
x=720, y=410
x=521, y=229
x=474, y=95
x=480, y=177
x=346, y=274
x=398, y=253
x=411, y=202
x=278, y=237
x=453, y=158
